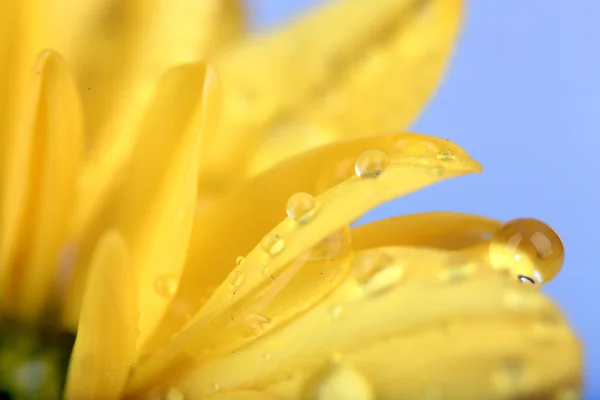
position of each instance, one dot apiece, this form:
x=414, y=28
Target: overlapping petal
x=316, y=81
x=41, y=178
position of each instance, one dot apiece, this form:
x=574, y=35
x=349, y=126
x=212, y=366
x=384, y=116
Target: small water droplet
x=166, y=285
x=383, y=280
x=214, y=387
x=265, y=270
x=174, y=394
x=446, y=155
x=235, y=277
x=457, y=271
x=273, y=244
x=255, y=324
x=240, y=261
x=338, y=244
x=509, y=377
x=266, y=356
x=366, y=264
x=301, y=207
x=336, y=310
x=569, y=393
x=439, y=170
x=371, y=163
x=344, y=383
x=528, y=248
x=414, y=148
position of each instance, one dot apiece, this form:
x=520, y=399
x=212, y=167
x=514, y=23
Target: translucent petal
x=444, y=230
x=226, y=231
x=315, y=81
x=417, y=335
x=106, y=336
x=119, y=50
x=41, y=188
x=154, y=203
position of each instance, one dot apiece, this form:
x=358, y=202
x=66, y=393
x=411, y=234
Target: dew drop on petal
x=509, y=377
x=301, y=207
x=445, y=155
x=367, y=264
x=165, y=285
x=415, y=148
x=344, y=383
x=529, y=248
x=255, y=324
x=439, y=170
x=174, y=394
x=383, y=280
x=371, y=163
x=240, y=261
x=457, y=271
x=273, y=244
x=235, y=277
x=336, y=310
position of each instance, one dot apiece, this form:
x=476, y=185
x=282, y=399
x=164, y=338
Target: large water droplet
x=301, y=207
x=166, y=285
x=383, y=280
x=255, y=324
x=369, y=263
x=371, y=163
x=273, y=244
x=529, y=249
x=344, y=383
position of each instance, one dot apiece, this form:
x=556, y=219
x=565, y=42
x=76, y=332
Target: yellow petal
x=244, y=395
x=444, y=230
x=106, y=336
x=41, y=188
x=406, y=337
x=227, y=230
x=154, y=203
x=345, y=70
x=119, y=50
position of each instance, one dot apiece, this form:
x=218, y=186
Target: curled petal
x=154, y=206
x=411, y=168
x=315, y=82
x=411, y=330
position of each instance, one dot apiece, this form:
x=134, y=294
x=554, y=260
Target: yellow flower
x=168, y=201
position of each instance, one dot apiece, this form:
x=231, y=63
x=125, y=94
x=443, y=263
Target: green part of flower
x=33, y=361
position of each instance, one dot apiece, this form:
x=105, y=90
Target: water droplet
x=265, y=270
x=415, y=148
x=344, y=383
x=446, y=155
x=383, y=280
x=174, y=394
x=214, y=387
x=528, y=248
x=338, y=244
x=547, y=329
x=240, y=261
x=366, y=264
x=439, y=170
x=166, y=285
x=266, y=356
x=301, y=207
x=371, y=163
x=273, y=244
x=235, y=277
x=255, y=324
x=509, y=378
x=457, y=270
x=568, y=393
x=336, y=310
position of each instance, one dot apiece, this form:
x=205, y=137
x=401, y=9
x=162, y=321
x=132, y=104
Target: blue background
x=522, y=95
